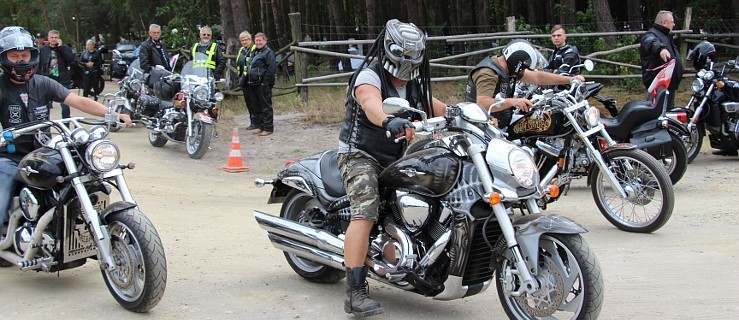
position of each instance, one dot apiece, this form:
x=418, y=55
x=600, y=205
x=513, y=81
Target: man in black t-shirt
x=25, y=98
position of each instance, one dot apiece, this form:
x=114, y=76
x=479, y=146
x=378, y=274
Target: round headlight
x=709, y=75
x=97, y=133
x=522, y=167
x=102, y=155
x=218, y=96
x=592, y=116
x=697, y=85
x=200, y=93
x=135, y=85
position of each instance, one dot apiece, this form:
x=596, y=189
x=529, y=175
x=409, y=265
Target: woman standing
x=261, y=79
x=91, y=60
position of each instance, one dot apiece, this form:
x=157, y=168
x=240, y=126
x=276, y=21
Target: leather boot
x=357, y=299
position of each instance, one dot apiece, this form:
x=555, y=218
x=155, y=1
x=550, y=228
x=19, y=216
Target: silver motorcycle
x=64, y=213
x=447, y=226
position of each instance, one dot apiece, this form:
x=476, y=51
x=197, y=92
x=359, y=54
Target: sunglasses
x=205, y=35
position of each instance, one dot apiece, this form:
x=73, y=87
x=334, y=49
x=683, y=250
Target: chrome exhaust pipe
x=311, y=237
x=307, y=252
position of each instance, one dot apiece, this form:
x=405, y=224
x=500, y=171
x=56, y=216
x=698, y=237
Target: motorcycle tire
x=695, y=142
x=199, y=142
x=140, y=276
x=650, y=195
x=297, y=204
x=98, y=86
x=564, y=259
x=156, y=140
x=677, y=164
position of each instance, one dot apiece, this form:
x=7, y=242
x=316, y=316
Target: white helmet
x=520, y=55
x=404, y=49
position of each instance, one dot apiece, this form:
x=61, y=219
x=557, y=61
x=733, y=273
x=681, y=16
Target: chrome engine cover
x=413, y=209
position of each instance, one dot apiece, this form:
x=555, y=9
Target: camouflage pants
x=359, y=173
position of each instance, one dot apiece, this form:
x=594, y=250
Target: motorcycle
x=192, y=117
x=131, y=88
x=120, y=62
x=713, y=106
x=447, y=228
x=64, y=214
x=630, y=188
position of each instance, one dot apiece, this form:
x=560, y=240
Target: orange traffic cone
x=235, y=163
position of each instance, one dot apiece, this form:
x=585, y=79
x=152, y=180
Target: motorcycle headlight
x=697, y=85
x=97, y=133
x=218, y=96
x=592, y=115
x=135, y=85
x=522, y=167
x=200, y=93
x=102, y=155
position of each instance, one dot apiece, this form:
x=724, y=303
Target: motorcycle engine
x=412, y=210
x=23, y=239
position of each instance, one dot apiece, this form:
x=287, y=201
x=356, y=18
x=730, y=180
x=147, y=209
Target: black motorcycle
x=714, y=105
x=447, y=226
x=120, y=62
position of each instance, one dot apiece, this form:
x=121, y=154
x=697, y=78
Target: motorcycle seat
x=332, y=181
x=633, y=114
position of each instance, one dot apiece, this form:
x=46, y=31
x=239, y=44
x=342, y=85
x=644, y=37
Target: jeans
x=9, y=181
x=65, y=108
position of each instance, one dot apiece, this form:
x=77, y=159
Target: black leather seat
x=332, y=181
x=633, y=114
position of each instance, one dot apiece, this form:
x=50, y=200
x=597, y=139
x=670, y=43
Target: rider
x=215, y=60
x=499, y=74
x=563, y=54
x=153, y=52
x=25, y=98
x=364, y=148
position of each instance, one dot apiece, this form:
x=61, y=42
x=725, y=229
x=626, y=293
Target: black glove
x=396, y=125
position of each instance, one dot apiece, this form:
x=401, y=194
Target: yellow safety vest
x=207, y=63
x=248, y=57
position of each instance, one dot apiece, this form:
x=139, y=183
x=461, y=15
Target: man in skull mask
x=25, y=98
x=499, y=74
x=364, y=147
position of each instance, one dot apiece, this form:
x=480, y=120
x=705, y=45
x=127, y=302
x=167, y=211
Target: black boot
x=357, y=299
x=724, y=152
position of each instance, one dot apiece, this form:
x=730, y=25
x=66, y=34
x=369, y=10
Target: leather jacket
x=651, y=43
x=150, y=55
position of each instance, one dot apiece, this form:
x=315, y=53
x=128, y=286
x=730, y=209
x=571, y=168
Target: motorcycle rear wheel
x=199, y=142
x=140, y=276
x=650, y=195
x=295, y=208
x=677, y=164
x=570, y=278
x=156, y=140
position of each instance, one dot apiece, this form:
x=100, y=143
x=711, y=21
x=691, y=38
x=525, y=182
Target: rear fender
x=529, y=229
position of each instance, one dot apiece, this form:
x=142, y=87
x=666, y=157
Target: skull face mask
x=404, y=49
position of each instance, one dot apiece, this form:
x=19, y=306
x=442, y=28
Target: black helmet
x=520, y=55
x=17, y=38
x=41, y=167
x=701, y=53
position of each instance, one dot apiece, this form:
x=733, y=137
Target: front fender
x=529, y=229
x=116, y=207
x=202, y=116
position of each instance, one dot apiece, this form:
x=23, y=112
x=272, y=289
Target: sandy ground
x=221, y=265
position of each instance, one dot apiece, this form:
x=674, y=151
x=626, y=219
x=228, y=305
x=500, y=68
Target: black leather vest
x=361, y=134
x=504, y=85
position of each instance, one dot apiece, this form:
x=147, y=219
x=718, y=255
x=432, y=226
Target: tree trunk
x=278, y=23
x=531, y=17
x=482, y=15
x=371, y=17
x=634, y=15
x=240, y=17
x=338, y=20
x=412, y=9
x=604, y=19
x=253, y=14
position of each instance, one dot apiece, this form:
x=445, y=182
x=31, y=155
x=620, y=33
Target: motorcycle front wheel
x=649, y=199
x=695, y=141
x=199, y=142
x=570, y=280
x=140, y=275
x=299, y=207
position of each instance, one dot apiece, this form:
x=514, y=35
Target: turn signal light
x=719, y=84
x=554, y=191
x=494, y=198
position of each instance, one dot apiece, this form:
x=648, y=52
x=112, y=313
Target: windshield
x=122, y=47
x=197, y=66
x=134, y=70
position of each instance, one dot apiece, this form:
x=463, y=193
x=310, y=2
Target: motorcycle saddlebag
x=118, y=71
x=149, y=105
x=653, y=139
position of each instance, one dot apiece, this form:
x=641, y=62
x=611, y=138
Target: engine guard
x=529, y=229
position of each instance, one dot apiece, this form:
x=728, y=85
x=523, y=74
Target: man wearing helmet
x=364, y=148
x=25, y=98
x=499, y=74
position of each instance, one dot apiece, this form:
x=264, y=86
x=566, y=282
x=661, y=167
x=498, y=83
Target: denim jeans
x=9, y=180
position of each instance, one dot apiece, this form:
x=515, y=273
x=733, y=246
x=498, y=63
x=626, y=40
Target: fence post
x=683, y=43
x=301, y=68
x=511, y=24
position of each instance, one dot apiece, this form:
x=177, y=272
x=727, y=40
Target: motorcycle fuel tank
x=536, y=123
x=431, y=172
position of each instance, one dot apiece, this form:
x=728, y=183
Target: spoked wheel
x=299, y=207
x=649, y=193
x=199, y=142
x=677, y=163
x=570, y=280
x=156, y=139
x=140, y=275
x=695, y=142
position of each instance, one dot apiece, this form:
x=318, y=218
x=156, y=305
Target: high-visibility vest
x=210, y=62
x=248, y=57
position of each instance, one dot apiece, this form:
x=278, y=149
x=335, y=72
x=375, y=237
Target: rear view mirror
x=589, y=65
x=395, y=105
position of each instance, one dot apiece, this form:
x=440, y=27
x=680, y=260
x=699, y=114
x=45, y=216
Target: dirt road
x=221, y=265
